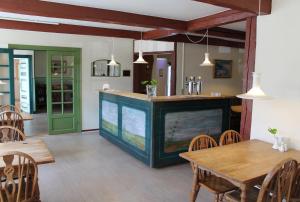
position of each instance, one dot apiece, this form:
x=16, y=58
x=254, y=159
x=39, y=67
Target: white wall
x=277, y=58
x=194, y=56
x=92, y=48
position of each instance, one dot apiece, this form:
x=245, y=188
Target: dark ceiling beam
x=159, y=33
x=224, y=32
x=211, y=41
x=242, y=5
x=68, y=29
x=58, y=10
x=215, y=32
x=218, y=19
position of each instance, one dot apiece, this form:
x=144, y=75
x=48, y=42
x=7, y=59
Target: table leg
x=243, y=193
x=195, y=187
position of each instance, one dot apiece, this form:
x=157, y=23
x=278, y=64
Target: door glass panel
x=56, y=97
x=68, y=96
x=56, y=108
x=68, y=85
x=56, y=66
x=4, y=72
x=4, y=99
x=68, y=72
x=4, y=58
x=5, y=87
x=56, y=84
x=68, y=108
x=68, y=61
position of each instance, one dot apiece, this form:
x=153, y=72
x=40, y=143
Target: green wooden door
x=6, y=77
x=63, y=92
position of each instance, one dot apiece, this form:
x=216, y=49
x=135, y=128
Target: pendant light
x=140, y=60
x=255, y=93
x=206, y=62
x=112, y=59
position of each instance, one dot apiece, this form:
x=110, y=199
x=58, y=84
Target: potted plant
x=151, y=87
x=273, y=132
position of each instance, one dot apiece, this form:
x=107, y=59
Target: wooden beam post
x=250, y=50
x=68, y=29
x=218, y=19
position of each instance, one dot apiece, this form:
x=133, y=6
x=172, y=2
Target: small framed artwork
x=223, y=69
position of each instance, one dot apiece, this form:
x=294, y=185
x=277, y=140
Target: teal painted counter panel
x=156, y=132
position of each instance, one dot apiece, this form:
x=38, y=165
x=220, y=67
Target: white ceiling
x=173, y=9
x=38, y=19
x=241, y=26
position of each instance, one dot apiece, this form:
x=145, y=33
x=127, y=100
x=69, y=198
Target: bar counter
x=156, y=129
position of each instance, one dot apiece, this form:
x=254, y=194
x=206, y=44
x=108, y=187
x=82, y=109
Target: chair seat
x=235, y=196
x=217, y=184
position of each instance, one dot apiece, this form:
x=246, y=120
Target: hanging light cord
x=113, y=46
x=203, y=37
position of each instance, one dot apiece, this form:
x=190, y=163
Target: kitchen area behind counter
x=156, y=129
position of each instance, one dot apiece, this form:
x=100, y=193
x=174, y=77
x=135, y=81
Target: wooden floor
x=90, y=169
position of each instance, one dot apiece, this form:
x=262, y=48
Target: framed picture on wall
x=223, y=69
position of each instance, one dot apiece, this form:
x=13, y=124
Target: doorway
x=55, y=89
x=161, y=67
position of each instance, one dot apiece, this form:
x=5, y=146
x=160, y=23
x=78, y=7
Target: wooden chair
x=11, y=118
x=19, y=178
x=295, y=195
x=214, y=184
x=230, y=137
x=10, y=134
x=277, y=185
x=13, y=108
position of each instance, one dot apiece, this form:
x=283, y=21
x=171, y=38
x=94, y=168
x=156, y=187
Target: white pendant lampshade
x=2, y=82
x=112, y=61
x=140, y=60
x=255, y=93
x=206, y=62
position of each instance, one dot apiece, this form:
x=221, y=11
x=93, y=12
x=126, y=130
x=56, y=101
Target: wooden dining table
x=36, y=148
x=243, y=164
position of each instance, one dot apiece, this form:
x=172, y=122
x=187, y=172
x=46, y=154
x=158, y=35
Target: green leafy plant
x=152, y=82
x=273, y=131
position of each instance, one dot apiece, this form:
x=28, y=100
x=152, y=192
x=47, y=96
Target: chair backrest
x=11, y=118
x=199, y=142
x=13, y=108
x=11, y=134
x=19, y=177
x=296, y=186
x=278, y=183
x=230, y=137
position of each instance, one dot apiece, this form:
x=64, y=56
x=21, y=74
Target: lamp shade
x=255, y=93
x=206, y=62
x=112, y=61
x=2, y=82
x=140, y=60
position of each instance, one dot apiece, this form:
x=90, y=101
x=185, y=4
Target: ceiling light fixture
x=206, y=62
x=140, y=60
x=112, y=59
x=256, y=92
x=28, y=20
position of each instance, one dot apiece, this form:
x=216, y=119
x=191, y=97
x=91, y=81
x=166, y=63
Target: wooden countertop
x=163, y=98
